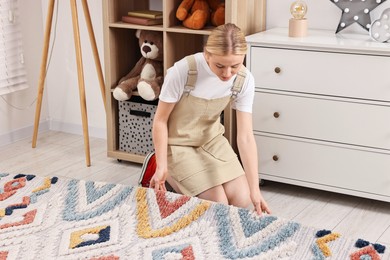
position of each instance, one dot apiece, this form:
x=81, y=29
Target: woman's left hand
x=259, y=203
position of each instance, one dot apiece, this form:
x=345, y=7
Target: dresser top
x=323, y=40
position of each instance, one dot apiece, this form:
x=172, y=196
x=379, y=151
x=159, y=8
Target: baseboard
x=27, y=132
x=22, y=133
x=77, y=129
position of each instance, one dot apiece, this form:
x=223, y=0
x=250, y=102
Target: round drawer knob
x=277, y=70
x=276, y=114
x=275, y=158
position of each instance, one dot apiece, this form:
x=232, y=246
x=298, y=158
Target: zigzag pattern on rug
x=54, y=218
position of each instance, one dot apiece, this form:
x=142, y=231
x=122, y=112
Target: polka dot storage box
x=135, y=125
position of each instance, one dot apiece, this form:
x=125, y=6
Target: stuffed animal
x=195, y=14
x=147, y=75
x=217, y=8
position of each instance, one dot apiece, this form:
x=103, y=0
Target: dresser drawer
x=322, y=119
x=323, y=73
x=326, y=166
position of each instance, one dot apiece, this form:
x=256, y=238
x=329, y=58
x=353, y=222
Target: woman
x=191, y=152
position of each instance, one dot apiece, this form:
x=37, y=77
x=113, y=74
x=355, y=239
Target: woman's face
x=225, y=67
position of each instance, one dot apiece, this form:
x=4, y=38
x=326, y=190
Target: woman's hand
x=259, y=203
x=158, y=180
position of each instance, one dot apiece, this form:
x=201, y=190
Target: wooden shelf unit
x=121, y=50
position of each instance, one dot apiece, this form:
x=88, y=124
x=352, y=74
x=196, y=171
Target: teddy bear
x=147, y=75
x=217, y=8
x=195, y=14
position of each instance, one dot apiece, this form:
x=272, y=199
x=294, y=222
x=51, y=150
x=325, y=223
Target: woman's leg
x=173, y=184
x=216, y=194
x=237, y=192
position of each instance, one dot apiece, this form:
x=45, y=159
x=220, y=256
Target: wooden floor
x=62, y=155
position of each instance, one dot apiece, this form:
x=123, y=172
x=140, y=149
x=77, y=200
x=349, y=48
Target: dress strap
x=238, y=82
x=191, y=75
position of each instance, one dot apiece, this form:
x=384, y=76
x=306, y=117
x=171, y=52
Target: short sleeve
x=174, y=81
x=244, y=100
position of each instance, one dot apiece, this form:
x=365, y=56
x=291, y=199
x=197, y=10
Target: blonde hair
x=226, y=39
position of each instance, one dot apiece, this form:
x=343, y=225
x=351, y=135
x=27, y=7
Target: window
x=12, y=69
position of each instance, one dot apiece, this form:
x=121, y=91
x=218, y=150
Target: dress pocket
x=220, y=149
x=184, y=162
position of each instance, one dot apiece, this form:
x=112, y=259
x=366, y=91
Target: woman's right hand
x=158, y=180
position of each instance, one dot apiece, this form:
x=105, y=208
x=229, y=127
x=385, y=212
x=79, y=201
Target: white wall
x=17, y=109
x=322, y=14
x=62, y=87
x=61, y=107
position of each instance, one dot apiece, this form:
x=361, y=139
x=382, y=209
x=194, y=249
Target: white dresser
x=322, y=110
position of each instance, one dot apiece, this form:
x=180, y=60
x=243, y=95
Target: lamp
x=298, y=24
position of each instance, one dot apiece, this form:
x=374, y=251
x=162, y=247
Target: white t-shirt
x=208, y=85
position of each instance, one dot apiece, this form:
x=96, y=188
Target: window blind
x=12, y=68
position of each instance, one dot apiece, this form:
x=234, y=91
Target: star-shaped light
x=356, y=11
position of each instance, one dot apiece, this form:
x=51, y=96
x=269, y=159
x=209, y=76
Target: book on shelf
x=153, y=14
x=141, y=20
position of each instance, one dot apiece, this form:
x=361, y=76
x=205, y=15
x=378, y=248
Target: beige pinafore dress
x=199, y=156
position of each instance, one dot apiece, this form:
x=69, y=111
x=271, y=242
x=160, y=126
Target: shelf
x=136, y=26
x=120, y=43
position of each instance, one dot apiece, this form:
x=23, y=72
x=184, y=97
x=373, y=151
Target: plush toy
x=195, y=14
x=217, y=8
x=147, y=75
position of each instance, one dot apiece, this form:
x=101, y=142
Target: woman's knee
x=241, y=199
x=237, y=192
x=216, y=194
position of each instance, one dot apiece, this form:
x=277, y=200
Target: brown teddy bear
x=147, y=75
x=217, y=8
x=195, y=14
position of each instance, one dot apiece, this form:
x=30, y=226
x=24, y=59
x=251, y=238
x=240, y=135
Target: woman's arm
x=160, y=141
x=248, y=153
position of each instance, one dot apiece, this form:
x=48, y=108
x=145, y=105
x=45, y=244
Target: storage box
x=135, y=125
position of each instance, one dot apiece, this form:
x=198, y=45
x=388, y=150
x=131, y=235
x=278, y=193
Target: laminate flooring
x=62, y=155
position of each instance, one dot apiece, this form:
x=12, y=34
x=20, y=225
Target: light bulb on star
x=356, y=12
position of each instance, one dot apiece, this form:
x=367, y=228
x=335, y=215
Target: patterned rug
x=52, y=218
